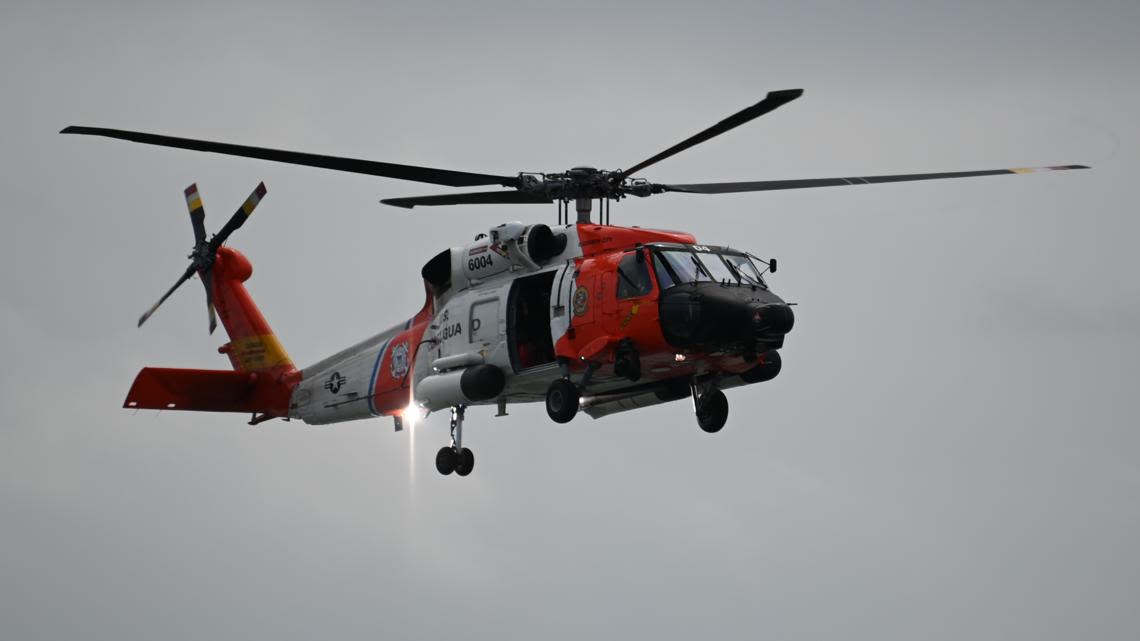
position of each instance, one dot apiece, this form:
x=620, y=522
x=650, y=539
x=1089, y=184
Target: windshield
x=720, y=272
x=676, y=266
x=685, y=266
x=744, y=268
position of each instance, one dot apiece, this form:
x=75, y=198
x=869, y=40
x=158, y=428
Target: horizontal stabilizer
x=200, y=390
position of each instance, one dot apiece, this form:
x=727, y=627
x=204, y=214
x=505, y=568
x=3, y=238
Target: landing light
x=411, y=415
x=680, y=358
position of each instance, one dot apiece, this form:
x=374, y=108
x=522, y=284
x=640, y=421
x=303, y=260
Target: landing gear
x=562, y=400
x=627, y=362
x=466, y=462
x=449, y=459
x=446, y=459
x=455, y=457
x=712, y=410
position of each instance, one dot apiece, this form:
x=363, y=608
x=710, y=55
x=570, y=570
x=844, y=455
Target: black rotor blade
x=197, y=213
x=472, y=198
x=238, y=219
x=773, y=100
x=769, y=185
x=207, y=277
x=185, y=277
x=370, y=167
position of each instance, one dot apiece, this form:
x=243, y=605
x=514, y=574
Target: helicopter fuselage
x=633, y=316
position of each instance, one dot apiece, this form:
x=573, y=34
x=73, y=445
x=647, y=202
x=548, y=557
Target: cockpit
x=679, y=264
x=712, y=298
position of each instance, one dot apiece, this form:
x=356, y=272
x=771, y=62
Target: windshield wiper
x=700, y=268
x=736, y=272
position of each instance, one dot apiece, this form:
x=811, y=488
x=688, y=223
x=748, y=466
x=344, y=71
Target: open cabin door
x=528, y=321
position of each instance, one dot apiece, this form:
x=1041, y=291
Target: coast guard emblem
x=399, y=361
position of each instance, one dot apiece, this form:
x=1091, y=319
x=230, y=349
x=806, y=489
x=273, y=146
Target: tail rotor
x=205, y=251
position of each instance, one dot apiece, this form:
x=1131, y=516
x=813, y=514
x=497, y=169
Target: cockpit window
x=633, y=276
x=664, y=278
x=685, y=266
x=744, y=269
x=676, y=266
x=715, y=266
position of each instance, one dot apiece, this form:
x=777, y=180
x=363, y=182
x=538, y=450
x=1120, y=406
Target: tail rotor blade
x=207, y=277
x=238, y=219
x=197, y=213
x=185, y=277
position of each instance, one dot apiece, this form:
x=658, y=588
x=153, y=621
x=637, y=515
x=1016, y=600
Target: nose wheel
x=455, y=457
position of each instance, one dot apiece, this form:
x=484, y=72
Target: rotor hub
x=576, y=183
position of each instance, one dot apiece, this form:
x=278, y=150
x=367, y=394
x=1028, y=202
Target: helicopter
x=585, y=316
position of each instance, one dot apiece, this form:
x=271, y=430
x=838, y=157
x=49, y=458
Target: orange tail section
x=253, y=346
x=264, y=376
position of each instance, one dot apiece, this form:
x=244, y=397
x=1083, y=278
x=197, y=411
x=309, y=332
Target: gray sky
x=950, y=452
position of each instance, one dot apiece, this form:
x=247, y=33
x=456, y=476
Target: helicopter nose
x=712, y=317
x=772, y=320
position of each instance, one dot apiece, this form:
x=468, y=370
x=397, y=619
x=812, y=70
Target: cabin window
x=633, y=276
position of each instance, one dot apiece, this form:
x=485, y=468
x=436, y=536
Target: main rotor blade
x=185, y=277
x=773, y=100
x=238, y=219
x=370, y=167
x=768, y=185
x=472, y=198
x=197, y=213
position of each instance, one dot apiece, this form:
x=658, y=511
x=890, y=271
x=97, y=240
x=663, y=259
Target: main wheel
x=562, y=401
x=466, y=462
x=446, y=460
x=712, y=411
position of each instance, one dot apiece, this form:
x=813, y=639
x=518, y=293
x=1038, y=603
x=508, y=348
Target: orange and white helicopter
x=585, y=315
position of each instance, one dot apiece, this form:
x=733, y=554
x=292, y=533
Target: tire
x=562, y=401
x=712, y=411
x=465, y=462
x=445, y=460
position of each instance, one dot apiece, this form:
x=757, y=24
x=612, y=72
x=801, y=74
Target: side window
x=484, y=327
x=664, y=279
x=633, y=276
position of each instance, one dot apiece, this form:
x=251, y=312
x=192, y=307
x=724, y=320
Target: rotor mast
x=584, y=205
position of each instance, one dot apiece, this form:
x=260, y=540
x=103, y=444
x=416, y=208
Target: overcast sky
x=951, y=451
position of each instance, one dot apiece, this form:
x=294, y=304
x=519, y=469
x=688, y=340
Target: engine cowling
x=509, y=245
